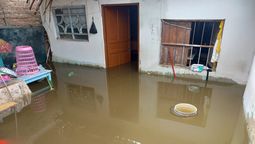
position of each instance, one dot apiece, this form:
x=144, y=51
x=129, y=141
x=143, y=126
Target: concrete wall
x=17, y=13
x=77, y=52
x=238, y=35
x=249, y=105
x=249, y=94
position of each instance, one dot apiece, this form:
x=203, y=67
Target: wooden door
x=174, y=34
x=117, y=37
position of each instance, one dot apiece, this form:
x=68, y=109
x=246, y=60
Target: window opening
x=71, y=22
x=188, y=42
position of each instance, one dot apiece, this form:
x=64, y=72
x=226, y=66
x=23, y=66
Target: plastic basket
x=26, y=62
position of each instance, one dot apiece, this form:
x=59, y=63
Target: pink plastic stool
x=26, y=62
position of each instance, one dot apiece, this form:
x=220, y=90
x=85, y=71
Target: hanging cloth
x=217, y=45
x=93, y=29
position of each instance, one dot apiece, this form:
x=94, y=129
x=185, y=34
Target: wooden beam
x=31, y=5
x=187, y=45
x=49, y=3
x=39, y=4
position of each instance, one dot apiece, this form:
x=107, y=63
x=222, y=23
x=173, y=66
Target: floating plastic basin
x=185, y=110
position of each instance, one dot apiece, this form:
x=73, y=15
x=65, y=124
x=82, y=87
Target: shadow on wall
x=32, y=36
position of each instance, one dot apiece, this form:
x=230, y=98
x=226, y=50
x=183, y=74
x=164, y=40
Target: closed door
x=117, y=37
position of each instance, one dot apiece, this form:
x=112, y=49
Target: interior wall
x=237, y=44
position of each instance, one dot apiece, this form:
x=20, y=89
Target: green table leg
x=49, y=80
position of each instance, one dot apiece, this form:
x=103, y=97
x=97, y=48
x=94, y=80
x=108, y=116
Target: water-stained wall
x=237, y=42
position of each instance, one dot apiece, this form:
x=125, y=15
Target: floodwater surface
x=121, y=106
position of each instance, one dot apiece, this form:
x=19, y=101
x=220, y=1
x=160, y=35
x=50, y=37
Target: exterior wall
x=249, y=105
x=77, y=52
x=17, y=13
x=238, y=34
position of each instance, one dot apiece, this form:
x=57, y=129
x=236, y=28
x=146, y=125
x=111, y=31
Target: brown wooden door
x=117, y=37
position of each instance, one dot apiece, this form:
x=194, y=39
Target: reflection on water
x=170, y=94
x=120, y=106
x=82, y=97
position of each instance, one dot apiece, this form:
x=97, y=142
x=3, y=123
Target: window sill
x=72, y=40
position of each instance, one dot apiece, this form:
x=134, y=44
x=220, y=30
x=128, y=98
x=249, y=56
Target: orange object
x=4, y=142
x=5, y=47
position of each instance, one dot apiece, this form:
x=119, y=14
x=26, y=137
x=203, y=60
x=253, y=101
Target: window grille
x=71, y=22
x=187, y=42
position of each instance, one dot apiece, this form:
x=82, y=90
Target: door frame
x=105, y=35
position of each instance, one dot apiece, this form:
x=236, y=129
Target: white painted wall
x=237, y=43
x=249, y=94
x=249, y=103
x=77, y=52
x=238, y=34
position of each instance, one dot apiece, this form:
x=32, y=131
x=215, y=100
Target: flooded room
x=127, y=72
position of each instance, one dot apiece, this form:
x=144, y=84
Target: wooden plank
x=176, y=25
x=31, y=5
x=38, y=5
x=175, y=32
x=187, y=45
x=117, y=35
x=7, y=105
x=48, y=4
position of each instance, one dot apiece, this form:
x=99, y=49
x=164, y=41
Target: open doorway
x=121, y=34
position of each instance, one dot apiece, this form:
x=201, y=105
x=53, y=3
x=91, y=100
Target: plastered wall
x=249, y=103
x=237, y=43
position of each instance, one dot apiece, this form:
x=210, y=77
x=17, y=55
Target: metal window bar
x=180, y=45
x=201, y=42
x=175, y=46
x=183, y=40
x=191, y=49
x=187, y=45
x=71, y=22
x=70, y=16
x=209, y=50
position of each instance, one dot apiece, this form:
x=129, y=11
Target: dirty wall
x=21, y=26
x=237, y=43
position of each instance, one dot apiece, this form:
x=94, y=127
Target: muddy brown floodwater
x=121, y=106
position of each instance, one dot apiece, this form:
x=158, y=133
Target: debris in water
x=70, y=74
x=193, y=88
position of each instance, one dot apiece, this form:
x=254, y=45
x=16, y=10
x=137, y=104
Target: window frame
x=209, y=46
x=72, y=30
